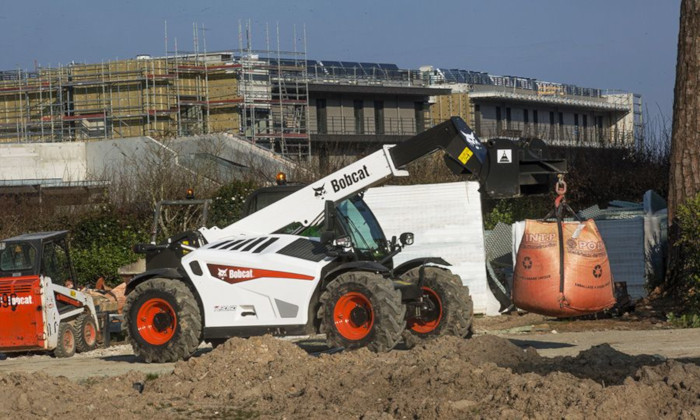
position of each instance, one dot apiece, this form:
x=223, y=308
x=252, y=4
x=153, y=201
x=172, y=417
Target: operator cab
x=43, y=253
x=353, y=223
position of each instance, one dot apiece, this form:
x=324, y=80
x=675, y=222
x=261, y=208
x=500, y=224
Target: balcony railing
x=555, y=135
x=365, y=126
x=564, y=135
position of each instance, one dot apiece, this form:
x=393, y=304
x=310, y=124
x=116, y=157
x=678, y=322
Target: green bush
x=228, y=202
x=101, y=243
x=511, y=210
x=688, y=220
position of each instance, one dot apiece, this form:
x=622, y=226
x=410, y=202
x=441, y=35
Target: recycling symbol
x=527, y=263
x=597, y=271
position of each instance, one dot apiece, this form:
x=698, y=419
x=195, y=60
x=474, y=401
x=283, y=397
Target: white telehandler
x=317, y=260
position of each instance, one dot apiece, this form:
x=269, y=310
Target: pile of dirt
x=486, y=376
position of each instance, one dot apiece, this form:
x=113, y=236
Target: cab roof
x=38, y=236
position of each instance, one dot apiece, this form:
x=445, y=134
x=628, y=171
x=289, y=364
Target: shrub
x=102, y=242
x=227, y=204
x=688, y=220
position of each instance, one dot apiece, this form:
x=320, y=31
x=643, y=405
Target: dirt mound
x=486, y=377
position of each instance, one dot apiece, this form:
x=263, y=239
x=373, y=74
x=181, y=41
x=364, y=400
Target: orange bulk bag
x=562, y=269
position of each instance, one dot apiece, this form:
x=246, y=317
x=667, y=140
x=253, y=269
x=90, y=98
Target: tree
x=684, y=181
x=684, y=177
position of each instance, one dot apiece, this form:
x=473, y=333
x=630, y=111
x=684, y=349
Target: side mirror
x=406, y=238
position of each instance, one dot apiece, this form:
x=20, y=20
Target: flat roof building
x=299, y=107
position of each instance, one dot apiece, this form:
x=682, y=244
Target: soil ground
x=515, y=366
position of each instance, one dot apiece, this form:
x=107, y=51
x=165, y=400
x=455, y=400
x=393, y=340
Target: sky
x=627, y=45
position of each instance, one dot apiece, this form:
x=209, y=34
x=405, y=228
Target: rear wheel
x=66, y=341
x=360, y=309
x=163, y=321
x=86, y=337
x=446, y=307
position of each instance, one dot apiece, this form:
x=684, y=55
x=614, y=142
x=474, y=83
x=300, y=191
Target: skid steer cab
x=315, y=259
x=39, y=307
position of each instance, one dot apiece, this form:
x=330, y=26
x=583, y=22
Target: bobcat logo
x=222, y=273
x=320, y=191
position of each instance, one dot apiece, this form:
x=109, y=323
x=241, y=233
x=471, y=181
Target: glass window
x=378, y=117
x=359, y=111
x=55, y=262
x=17, y=257
x=321, y=117
x=362, y=226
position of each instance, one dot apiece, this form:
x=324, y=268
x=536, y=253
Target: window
x=359, y=222
x=508, y=119
x=321, y=117
x=526, y=120
x=379, y=117
x=420, y=116
x=535, y=121
x=499, y=123
x=561, y=126
x=576, y=131
x=585, y=128
x=551, y=125
x=16, y=257
x=477, y=120
x=55, y=262
x=358, y=106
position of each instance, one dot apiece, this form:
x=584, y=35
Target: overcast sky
x=628, y=45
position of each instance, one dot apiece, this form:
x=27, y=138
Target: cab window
x=16, y=257
x=55, y=262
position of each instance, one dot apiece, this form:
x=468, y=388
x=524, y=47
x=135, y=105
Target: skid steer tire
x=66, y=341
x=86, y=337
x=452, y=312
x=362, y=309
x=164, y=323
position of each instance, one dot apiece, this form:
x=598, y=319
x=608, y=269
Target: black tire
x=163, y=321
x=86, y=337
x=362, y=309
x=451, y=309
x=66, y=341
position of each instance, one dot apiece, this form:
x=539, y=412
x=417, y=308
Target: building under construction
x=159, y=97
x=286, y=103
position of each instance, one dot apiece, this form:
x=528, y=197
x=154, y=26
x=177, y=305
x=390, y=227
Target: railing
x=564, y=135
x=555, y=135
x=365, y=126
x=358, y=76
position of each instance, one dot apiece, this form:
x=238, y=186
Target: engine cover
x=257, y=281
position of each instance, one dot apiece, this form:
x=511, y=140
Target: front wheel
x=164, y=323
x=86, y=339
x=445, y=307
x=66, y=341
x=362, y=309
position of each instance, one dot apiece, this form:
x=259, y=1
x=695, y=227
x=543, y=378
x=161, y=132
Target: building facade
x=301, y=107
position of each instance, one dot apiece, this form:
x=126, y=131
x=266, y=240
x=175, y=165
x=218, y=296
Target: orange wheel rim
x=353, y=316
x=156, y=321
x=432, y=318
x=89, y=334
x=68, y=339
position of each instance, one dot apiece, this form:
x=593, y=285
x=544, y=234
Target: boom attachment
x=504, y=168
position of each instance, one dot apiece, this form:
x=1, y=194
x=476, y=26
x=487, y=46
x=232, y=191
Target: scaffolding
x=274, y=88
x=259, y=95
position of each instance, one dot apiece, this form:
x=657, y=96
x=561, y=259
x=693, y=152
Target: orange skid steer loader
x=39, y=308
